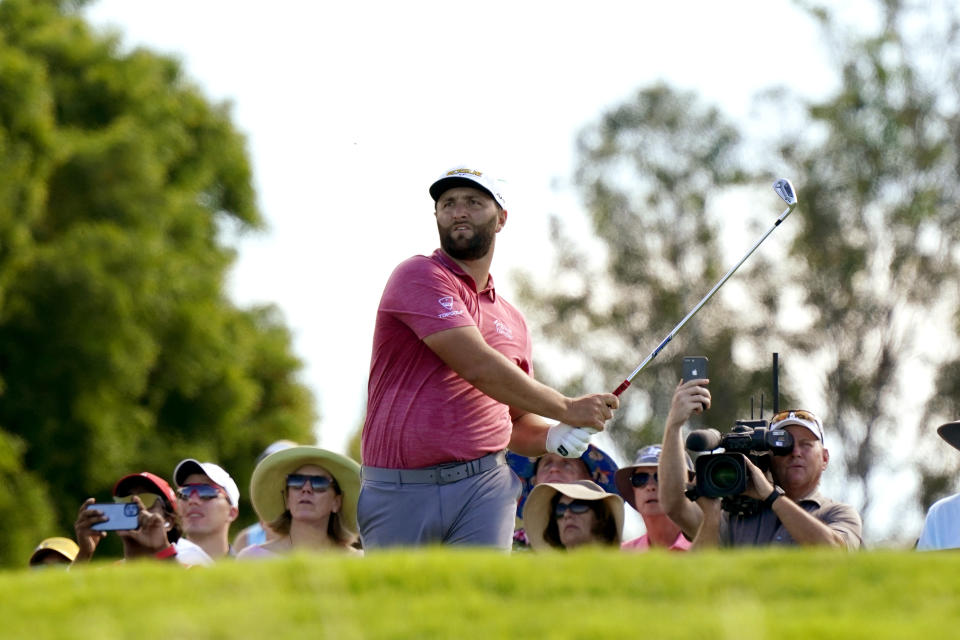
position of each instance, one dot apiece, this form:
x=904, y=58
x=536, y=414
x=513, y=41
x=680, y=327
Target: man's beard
x=472, y=248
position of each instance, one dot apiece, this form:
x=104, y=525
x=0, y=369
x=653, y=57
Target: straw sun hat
x=536, y=514
x=268, y=483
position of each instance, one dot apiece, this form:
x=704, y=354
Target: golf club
x=785, y=190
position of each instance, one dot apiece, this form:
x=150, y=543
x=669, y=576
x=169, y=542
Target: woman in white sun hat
x=566, y=515
x=307, y=495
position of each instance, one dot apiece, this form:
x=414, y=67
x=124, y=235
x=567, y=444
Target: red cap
x=126, y=484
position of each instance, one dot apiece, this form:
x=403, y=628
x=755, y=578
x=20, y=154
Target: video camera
x=724, y=475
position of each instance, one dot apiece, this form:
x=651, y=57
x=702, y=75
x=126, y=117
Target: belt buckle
x=447, y=473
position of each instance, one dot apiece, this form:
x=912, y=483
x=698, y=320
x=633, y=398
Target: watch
x=770, y=499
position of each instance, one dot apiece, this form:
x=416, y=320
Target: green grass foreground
x=471, y=594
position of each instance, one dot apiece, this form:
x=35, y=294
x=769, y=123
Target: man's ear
x=234, y=512
x=502, y=219
x=826, y=457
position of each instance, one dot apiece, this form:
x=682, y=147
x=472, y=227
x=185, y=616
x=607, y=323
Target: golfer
x=451, y=387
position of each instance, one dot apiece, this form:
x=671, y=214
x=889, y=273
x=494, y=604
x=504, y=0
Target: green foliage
x=873, y=256
x=649, y=172
x=119, y=351
x=864, y=281
x=24, y=505
x=475, y=594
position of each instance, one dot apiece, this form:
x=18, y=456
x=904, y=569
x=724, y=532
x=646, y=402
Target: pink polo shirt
x=643, y=544
x=419, y=411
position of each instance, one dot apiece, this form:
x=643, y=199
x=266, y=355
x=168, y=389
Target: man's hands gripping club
x=595, y=409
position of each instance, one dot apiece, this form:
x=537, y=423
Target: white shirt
x=941, y=530
x=191, y=554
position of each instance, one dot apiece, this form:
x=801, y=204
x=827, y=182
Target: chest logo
x=446, y=302
x=503, y=329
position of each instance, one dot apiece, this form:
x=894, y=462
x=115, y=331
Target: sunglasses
x=577, y=506
x=148, y=499
x=317, y=483
x=794, y=413
x=800, y=414
x=202, y=490
x=641, y=478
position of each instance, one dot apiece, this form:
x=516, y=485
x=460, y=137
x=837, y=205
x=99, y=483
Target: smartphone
x=694, y=367
x=122, y=516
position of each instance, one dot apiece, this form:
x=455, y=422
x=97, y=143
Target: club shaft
x=653, y=354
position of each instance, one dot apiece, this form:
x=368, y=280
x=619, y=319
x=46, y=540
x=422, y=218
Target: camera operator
x=792, y=511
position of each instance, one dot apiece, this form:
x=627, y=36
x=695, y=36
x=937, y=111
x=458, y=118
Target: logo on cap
x=457, y=172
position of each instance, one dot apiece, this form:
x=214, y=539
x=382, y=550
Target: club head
x=784, y=189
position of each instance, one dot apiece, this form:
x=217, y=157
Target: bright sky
x=352, y=109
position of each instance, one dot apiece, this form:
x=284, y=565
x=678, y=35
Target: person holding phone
x=792, y=510
x=156, y=531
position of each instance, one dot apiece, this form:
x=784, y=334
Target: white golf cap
x=213, y=471
x=462, y=176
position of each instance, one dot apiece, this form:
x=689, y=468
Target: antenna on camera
x=776, y=383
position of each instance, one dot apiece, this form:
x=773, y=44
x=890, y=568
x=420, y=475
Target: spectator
x=638, y=485
x=54, y=551
x=593, y=465
x=207, y=500
x=158, y=534
x=308, y=495
x=791, y=510
x=451, y=387
x=567, y=515
x=941, y=529
x=259, y=532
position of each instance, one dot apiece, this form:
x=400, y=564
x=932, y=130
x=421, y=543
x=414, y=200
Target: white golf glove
x=567, y=441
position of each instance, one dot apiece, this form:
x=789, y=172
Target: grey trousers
x=479, y=511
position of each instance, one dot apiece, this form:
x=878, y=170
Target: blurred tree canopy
x=864, y=279
x=648, y=170
x=119, y=350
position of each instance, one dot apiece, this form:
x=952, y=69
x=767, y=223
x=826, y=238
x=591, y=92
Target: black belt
x=438, y=474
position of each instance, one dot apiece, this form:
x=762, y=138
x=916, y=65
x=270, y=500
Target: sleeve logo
x=447, y=303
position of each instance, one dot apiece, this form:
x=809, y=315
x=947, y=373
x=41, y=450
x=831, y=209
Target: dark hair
x=605, y=526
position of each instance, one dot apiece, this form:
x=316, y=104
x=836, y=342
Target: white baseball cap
x=800, y=418
x=213, y=471
x=462, y=176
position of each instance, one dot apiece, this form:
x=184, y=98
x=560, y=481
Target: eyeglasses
x=148, y=499
x=577, y=506
x=202, y=490
x=641, y=478
x=317, y=483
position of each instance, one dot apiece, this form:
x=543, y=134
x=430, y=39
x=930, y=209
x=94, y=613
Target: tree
x=119, y=350
x=873, y=256
x=652, y=172
x=868, y=271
